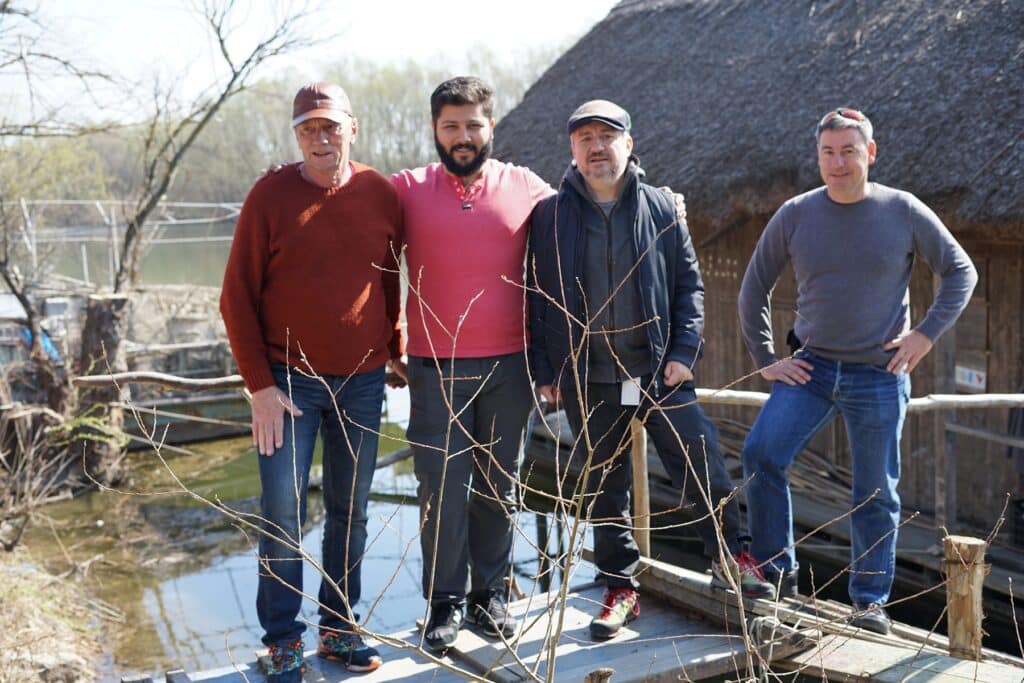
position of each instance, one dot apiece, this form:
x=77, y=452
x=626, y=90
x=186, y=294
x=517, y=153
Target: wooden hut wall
x=724, y=96
x=988, y=338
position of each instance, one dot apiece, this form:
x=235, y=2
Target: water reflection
x=207, y=618
x=185, y=577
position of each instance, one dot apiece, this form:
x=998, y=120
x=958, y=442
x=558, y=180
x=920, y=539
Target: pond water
x=184, y=576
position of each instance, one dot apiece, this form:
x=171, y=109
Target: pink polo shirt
x=461, y=247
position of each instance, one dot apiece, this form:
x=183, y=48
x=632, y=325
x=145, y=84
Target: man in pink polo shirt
x=466, y=230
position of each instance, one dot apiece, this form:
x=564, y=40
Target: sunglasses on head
x=851, y=114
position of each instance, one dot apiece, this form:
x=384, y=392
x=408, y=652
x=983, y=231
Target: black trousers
x=687, y=442
x=466, y=428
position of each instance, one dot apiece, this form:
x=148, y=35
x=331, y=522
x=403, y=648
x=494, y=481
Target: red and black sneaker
x=621, y=606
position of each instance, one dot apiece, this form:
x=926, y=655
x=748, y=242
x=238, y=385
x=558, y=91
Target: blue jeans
x=873, y=403
x=349, y=459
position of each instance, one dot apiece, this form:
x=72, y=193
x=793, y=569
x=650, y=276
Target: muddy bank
x=49, y=630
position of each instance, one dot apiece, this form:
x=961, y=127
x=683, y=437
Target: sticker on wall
x=970, y=379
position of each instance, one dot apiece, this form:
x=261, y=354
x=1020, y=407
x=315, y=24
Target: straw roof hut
x=725, y=96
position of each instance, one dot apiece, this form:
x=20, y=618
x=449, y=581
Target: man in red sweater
x=311, y=303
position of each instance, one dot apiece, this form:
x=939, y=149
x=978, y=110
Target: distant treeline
x=252, y=132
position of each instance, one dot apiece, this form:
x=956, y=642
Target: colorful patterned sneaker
x=747, y=574
x=490, y=613
x=349, y=649
x=871, y=618
x=286, y=663
x=621, y=606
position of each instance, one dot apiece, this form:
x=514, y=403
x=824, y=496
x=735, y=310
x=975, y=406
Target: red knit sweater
x=312, y=276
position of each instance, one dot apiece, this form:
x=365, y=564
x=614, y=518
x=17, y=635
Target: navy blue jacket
x=671, y=288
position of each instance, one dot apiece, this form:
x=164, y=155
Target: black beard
x=467, y=169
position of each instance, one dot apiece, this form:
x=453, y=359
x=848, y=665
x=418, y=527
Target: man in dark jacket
x=616, y=317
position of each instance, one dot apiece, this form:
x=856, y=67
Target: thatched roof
x=725, y=96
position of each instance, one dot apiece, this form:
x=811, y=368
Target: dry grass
x=46, y=630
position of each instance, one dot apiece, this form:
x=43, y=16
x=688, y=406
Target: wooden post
x=641, y=488
x=543, y=548
x=945, y=460
x=965, y=578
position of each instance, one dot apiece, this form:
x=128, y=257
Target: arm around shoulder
x=541, y=228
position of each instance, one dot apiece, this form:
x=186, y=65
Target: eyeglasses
x=851, y=114
x=310, y=130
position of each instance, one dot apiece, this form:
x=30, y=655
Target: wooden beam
x=641, y=487
x=944, y=486
x=163, y=379
x=965, y=579
x=987, y=435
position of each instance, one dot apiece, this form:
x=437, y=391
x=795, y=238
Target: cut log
x=965, y=579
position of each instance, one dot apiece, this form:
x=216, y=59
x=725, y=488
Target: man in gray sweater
x=852, y=244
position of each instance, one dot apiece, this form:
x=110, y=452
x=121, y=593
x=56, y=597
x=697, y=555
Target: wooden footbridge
x=687, y=631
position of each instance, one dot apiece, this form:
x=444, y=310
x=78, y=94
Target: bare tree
x=28, y=51
x=171, y=133
x=31, y=55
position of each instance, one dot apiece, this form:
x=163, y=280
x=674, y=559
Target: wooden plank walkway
x=663, y=645
x=838, y=652
x=687, y=631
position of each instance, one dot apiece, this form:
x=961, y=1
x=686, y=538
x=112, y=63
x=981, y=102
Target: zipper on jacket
x=648, y=315
x=608, y=261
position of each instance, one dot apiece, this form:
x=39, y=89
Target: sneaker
x=621, y=606
x=443, y=627
x=349, y=649
x=491, y=614
x=285, y=663
x=746, y=572
x=872, y=618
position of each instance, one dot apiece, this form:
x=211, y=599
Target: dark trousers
x=687, y=443
x=466, y=427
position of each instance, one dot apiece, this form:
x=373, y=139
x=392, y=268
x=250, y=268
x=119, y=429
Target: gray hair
x=845, y=117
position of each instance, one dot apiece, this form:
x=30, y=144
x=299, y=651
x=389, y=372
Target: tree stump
x=965, y=579
x=106, y=324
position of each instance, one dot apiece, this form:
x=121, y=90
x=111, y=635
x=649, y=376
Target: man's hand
x=398, y=373
x=550, y=393
x=268, y=408
x=792, y=371
x=677, y=373
x=678, y=200
x=910, y=347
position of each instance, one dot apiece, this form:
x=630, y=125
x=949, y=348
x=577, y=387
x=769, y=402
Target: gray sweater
x=852, y=264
